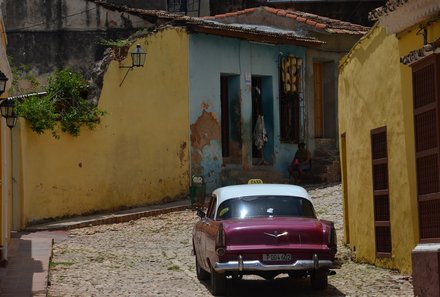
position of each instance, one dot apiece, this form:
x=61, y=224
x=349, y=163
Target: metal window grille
x=426, y=84
x=292, y=111
x=186, y=7
x=381, y=199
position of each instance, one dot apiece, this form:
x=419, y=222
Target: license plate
x=277, y=257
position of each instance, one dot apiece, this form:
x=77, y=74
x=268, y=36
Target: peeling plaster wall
x=50, y=34
x=209, y=57
x=138, y=155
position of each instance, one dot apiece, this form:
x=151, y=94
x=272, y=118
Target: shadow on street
x=279, y=287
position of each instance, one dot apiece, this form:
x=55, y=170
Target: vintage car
x=265, y=230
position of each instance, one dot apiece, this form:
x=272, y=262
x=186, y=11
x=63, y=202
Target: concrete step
x=233, y=176
x=332, y=154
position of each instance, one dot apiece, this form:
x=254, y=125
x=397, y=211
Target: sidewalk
x=27, y=271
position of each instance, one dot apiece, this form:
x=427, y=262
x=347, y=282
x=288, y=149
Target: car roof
x=229, y=192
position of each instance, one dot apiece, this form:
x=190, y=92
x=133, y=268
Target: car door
x=205, y=224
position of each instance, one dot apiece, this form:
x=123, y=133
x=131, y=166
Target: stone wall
x=48, y=34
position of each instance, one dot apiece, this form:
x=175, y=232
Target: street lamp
x=7, y=108
x=3, y=80
x=138, y=56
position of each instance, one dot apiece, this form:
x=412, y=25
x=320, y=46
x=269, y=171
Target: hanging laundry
x=260, y=135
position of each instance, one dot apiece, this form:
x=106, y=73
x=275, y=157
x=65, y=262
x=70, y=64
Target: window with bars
x=426, y=84
x=381, y=202
x=289, y=115
x=186, y=7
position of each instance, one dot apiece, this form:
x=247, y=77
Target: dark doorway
x=256, y=111
x=224, y=96
x=230, y=118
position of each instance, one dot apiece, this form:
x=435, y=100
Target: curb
x=111, y=219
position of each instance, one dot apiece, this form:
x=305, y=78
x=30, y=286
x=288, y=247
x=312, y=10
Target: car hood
x=273, y=231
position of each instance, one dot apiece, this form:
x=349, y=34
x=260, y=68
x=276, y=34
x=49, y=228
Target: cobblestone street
x=152, y=257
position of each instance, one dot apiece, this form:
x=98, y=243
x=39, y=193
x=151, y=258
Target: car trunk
x=270, y=231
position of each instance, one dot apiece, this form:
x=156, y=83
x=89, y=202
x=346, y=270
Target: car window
x=265, y=206
x=211, y=208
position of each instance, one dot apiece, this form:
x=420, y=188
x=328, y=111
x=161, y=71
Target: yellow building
x=5, y=204
x=390, y=170
x=137, y=155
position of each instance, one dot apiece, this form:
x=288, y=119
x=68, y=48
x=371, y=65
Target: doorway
x=325, y=105
x=230, y=118
x=262, y=105
x=344, y=188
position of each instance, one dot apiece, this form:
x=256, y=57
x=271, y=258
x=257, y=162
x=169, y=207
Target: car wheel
x=202, y=274
x=218, y=283
x=319, y=279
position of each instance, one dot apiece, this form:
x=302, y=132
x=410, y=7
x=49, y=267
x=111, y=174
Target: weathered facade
x=387, y=138
x=231, y=72
x=319, y=104
x=162, y=124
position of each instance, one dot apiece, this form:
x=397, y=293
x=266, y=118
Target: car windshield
x=265, y=206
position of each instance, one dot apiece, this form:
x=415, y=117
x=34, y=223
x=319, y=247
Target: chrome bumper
x=256, y=265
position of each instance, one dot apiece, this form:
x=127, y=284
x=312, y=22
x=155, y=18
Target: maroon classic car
x=265, y=230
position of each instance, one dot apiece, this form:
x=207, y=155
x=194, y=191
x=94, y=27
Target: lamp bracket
x=126, y=73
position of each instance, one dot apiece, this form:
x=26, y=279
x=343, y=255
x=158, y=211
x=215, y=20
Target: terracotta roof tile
x=311, y=23
x=272, y=10
x=282, y=12
x=259, y=33
x=326, y=24
x=231, y=14
x=250, y=9
x=390, y=6
x=220, y=16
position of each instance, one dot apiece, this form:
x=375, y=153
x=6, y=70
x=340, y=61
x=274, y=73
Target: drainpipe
x=4, y=193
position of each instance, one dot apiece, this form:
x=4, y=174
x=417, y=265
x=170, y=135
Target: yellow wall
x=5, y=68
x=138, y=155
x=370, y=96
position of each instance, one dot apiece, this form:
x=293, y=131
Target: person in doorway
x=300, y=163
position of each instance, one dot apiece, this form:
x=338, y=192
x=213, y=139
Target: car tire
x=319, y=279
x=218, y=283
x=201, y=273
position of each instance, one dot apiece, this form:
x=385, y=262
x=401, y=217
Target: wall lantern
x=3, y=80
x=138, y=57
x=7, y=108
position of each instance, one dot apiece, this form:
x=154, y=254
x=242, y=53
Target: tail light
x=332, y=240
x=329, y=233
x=220, y=241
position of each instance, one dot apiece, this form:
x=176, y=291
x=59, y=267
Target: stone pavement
x=152, y=257
x=30, y=252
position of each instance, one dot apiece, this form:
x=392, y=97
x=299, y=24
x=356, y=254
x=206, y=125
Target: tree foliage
x=65, y=106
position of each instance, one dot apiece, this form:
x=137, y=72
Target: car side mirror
x=200, y=213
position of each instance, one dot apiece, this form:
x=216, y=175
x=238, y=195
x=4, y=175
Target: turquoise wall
x=209, y=58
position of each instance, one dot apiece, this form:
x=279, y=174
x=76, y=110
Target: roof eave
x=256, y=37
